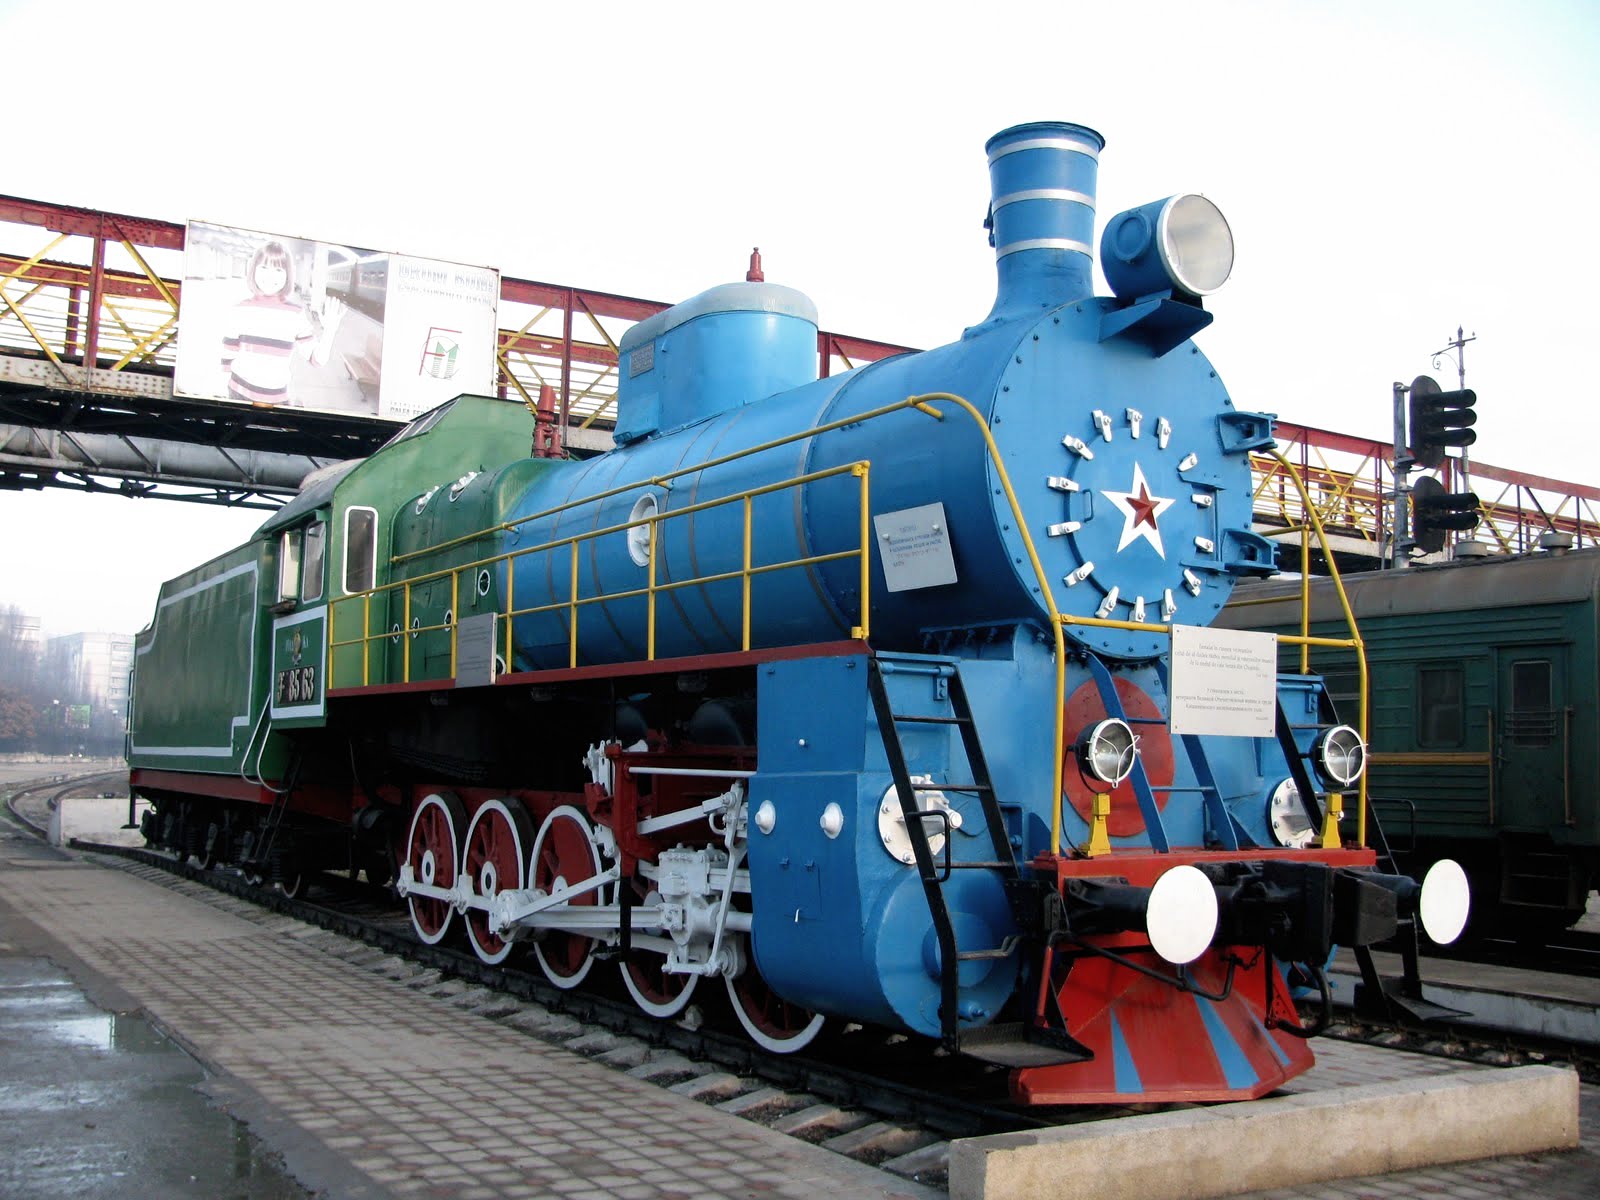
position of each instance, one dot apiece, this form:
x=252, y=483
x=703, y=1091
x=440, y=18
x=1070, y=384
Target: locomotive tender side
x=775, y=693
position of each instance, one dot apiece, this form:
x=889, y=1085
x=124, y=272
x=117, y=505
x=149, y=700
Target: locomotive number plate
x=297, y=685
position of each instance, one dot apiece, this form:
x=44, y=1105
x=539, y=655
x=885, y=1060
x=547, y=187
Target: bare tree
x=19, y=650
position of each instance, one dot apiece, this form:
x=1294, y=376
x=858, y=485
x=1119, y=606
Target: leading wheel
x=771, y=1021
x=494, y=858
x=431, y=851
x=564, y=854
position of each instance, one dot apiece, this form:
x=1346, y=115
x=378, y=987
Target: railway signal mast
x=1427, y=422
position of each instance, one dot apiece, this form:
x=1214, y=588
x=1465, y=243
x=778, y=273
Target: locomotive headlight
x=1196, y=244
x=1287, y=818
x=1341, y=755
x=1182, y=243
x=1107, y=750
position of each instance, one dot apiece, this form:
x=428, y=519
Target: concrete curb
x=1191, y=1154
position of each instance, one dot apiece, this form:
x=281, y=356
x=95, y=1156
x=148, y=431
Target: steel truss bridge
x=88, y=341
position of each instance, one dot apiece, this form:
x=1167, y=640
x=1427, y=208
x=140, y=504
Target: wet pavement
x=101, y=1105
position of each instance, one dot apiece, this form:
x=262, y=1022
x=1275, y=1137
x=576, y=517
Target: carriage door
x=1531, y=734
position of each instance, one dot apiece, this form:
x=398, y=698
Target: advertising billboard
x=286, y=322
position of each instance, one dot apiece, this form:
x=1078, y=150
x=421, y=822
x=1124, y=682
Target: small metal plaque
x=914, y=545
x=642, y=359
x=475, y=647
x=1224, y=681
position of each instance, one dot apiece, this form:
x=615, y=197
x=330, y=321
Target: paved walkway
x=370, y=1089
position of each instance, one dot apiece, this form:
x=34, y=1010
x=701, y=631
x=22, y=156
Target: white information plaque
x=475, y=650
x=1224, y=681
x=914, y=544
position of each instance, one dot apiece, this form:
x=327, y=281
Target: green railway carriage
x=240, y=650
x=1484, y=721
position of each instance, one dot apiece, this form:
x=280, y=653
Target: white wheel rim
x=787, y=1045
x=654, y=1007
x=650, y=1005
x=565, y=812
x=488, y=881
x=431, y=866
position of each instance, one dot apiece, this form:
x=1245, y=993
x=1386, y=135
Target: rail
x=1349, y=482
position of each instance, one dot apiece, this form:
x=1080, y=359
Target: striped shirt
x=259, y=347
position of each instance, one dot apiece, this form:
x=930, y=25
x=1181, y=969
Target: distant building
x=94, y=667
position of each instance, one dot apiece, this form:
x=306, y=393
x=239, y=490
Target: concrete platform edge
x=1279, y=1142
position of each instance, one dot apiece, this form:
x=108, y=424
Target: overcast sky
x=1390, y=170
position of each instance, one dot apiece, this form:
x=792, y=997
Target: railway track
x=885, y=1100
x=60, y=787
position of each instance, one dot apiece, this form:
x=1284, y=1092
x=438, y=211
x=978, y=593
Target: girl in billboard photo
x=265, y=330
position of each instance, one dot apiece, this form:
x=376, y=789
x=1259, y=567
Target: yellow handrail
x=1350, y=622
x=653, y=585
x=1054, y=791
x=1304, y=640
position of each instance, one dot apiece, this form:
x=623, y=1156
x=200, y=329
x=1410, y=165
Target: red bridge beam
x=103, y=227
x=89, y=222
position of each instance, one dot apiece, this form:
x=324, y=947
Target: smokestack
x=1041, y=216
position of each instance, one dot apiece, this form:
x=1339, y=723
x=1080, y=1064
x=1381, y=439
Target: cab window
x=311, y=571
x=360, y=549
x=289, y=566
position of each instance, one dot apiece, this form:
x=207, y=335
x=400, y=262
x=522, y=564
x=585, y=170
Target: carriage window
x=1441, y=707
x=316, y=539
x=360, y=549
x=289, y=565
x=1532, y=719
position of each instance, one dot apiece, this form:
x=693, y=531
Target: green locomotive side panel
x=200, y=666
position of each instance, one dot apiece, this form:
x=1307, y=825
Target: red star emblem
x=1144, y=506
x=1140, y=512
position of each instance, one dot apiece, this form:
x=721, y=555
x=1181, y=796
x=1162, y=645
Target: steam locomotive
x=885, y=698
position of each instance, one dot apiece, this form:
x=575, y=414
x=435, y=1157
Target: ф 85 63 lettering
x=297, y=685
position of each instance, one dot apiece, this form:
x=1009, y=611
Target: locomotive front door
x=1531, y=735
